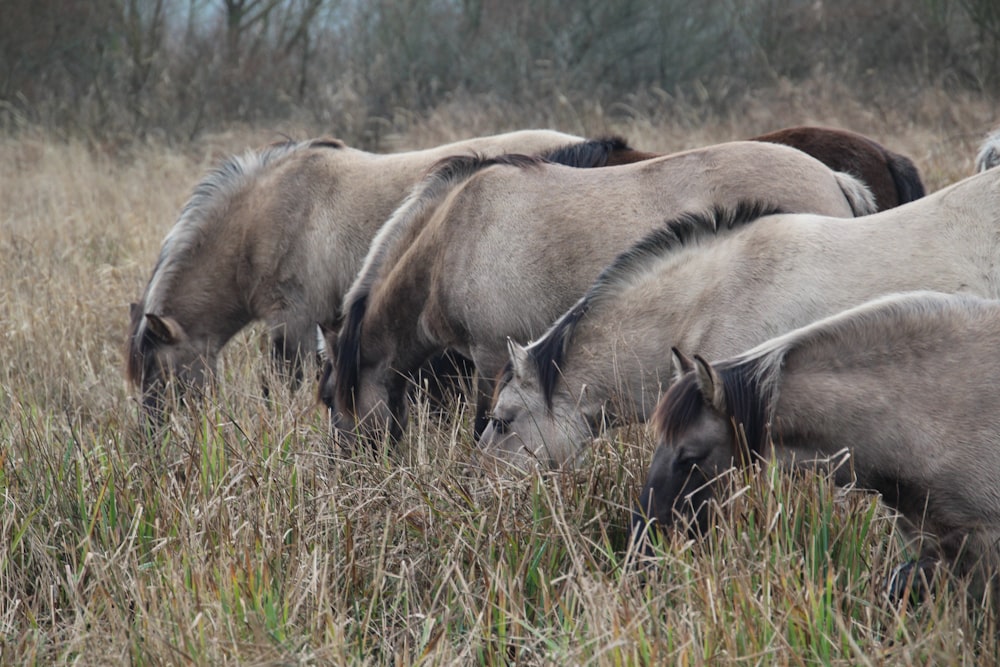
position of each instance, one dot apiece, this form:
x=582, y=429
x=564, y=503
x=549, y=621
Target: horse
x=601, y=363
x=897, y=396
x=486, y=249
x=893, y=178
x=277, y=235
x=989, y=152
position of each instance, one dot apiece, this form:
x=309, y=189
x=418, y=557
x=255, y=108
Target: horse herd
x=576, y=276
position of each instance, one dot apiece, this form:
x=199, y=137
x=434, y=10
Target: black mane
x=549, y=351
x=347, y=356
x=587, y=154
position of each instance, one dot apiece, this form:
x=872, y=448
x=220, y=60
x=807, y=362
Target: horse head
x=530, y=425
x=697, y=444
x=365, y=396
x=162, y=354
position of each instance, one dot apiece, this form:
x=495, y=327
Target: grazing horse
x=277, y=235
x=989, y=152
x=487, y=249
x=892, y=178
x=602, y=364
x=905, y=387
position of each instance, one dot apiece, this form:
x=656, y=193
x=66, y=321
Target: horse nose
x=326, y=385
x=342, y=430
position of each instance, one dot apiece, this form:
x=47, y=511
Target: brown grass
x=241, y=537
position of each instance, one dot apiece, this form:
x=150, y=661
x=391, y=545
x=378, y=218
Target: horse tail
x=989, y=153
x=906, y=177
x=858, y=195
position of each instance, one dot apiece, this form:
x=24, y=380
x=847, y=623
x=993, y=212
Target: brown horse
x=905, y=388
x=486, y=250
x=892, y=178
x=276, y=235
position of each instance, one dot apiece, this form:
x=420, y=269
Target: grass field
x=241, y=536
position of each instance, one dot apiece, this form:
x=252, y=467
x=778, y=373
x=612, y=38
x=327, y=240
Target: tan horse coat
x=610, y=351
x=515, y=242
x=276, y=235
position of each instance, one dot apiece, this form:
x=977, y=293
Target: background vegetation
x=240, y=535
x=121, y=69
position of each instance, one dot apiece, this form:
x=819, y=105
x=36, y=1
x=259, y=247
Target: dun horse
x=487, y=249
x=906, y=386
x=602, y=362
x=276, y=235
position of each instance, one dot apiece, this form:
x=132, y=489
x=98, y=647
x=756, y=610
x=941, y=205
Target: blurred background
x=118, y=70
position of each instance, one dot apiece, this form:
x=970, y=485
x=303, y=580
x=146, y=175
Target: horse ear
x=167, y=330
x=710, y=384
x=518, y=357
x=682, y=363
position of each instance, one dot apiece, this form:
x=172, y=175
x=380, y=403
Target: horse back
x=893, y=178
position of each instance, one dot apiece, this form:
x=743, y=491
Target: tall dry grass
x=240, y=536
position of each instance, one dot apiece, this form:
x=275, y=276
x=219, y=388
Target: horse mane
x=748, y=401
x=549, y=351
x=207, y=202
x=422, y=201
x=445, y=175
x=587, y=154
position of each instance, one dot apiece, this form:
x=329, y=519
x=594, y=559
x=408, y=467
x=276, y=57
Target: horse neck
x=393, y=322
x=863, y=396
x=614, y=359
x=217, y=318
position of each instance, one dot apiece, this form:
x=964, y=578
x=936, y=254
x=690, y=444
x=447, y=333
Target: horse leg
x=445, y=378
x=292, y=345
x=484, y=405
x=913, y=580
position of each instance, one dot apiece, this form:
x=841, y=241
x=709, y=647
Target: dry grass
x=241, y=537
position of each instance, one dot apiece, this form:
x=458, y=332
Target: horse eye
x=687, y=460
x=500, y=424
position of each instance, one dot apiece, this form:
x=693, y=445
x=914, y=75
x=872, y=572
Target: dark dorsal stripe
x=587, y=154
x=549, y=351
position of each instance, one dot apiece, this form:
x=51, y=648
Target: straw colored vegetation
x=242, y=536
